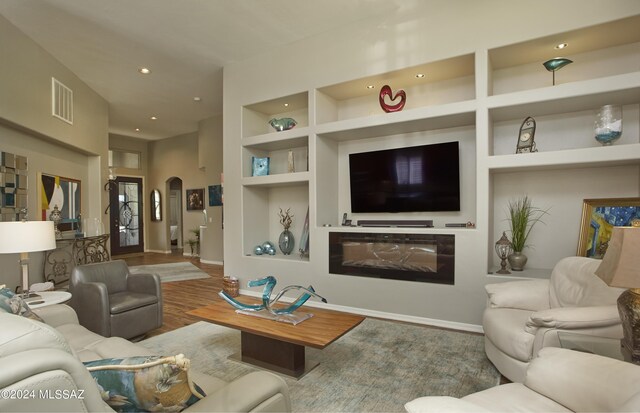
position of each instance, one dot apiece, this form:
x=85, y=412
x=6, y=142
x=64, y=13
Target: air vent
x=61, y=101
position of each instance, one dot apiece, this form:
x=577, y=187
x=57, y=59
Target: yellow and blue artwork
x=63, y=193
x=603, y=219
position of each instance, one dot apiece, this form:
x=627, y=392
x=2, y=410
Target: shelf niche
x=261, y=221
x=445, y=81
x=255, y=117
x=598, y=51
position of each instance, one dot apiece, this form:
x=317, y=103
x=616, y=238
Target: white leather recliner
x=522, y=317
x=558, y=380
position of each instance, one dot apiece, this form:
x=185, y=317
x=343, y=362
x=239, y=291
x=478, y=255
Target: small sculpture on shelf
x=608, y=125
x=286, y=240
x=259, y=166
x=282, y=124
x=291, y=167
x=386, y=91
x=56, y=217
x=555, y=64
x=503, y=249
x=526, y=136
x=266, y=247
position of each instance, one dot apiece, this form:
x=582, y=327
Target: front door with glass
x=127, y=235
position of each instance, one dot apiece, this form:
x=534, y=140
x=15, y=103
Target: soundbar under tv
x=415, y=223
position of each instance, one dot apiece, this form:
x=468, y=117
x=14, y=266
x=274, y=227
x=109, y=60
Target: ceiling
x=185, y=43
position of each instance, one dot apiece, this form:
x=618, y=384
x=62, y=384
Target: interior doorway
x=174, y=212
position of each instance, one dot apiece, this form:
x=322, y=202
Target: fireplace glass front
x=408, y=257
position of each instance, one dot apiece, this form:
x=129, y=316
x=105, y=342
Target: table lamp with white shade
x=620, y=267
x=23, y=237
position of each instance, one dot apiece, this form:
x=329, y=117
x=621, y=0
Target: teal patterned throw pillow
x=145, y=383
x=14, y=304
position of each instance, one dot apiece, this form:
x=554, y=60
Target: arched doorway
x=174, y=212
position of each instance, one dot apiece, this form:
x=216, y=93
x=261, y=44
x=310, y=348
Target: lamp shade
x=620, y=266
x=26, y=236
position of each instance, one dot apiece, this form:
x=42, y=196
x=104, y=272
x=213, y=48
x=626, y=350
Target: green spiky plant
x=523, y=216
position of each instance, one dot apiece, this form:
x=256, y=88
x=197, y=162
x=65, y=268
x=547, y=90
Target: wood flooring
x=180, y=296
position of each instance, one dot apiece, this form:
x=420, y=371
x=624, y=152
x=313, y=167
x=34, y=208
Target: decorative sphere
x=267, y=245
x=271, y=251
x=258, y=250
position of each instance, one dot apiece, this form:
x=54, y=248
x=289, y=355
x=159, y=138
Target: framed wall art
x=195, y=199
x=65, y=193
x=599, y=216
x=215, y=195
x=13, y=186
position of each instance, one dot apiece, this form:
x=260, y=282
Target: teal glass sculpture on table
x=267, y=304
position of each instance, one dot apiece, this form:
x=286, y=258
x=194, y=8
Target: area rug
x=175, y=271
x=377, y=367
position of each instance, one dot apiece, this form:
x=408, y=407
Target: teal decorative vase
x=286, y=242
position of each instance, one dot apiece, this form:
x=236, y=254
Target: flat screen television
x=413, y=179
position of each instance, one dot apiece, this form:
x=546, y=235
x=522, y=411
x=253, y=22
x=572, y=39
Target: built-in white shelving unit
x=479, y=99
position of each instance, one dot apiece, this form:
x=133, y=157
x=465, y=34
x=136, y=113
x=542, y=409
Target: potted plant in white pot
x=523, y=216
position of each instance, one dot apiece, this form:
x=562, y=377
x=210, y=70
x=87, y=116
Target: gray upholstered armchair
x=111, y=301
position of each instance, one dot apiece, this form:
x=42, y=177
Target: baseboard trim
x=211, y=262
x=453, y=325
x=159, y=251
x=186, y=254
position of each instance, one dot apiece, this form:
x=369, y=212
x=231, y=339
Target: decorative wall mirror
x=156, y=206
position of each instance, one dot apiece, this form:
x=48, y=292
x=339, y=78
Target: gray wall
x=176, y=157
x=27, y=128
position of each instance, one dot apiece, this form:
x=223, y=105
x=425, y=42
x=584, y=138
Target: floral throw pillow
x=145, y=383
x=14, y=304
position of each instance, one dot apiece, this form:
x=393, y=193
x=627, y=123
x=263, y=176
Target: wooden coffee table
x=276, y=345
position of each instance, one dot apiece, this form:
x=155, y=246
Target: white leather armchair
x=558, y=380
x=522, y=317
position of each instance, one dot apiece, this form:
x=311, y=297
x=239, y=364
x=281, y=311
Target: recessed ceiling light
x=286, y=105
x=560, y=46
x=137, y=129
x=154, y=118
x=419, y=75
x=370, y=86
x=144, y=70
x=197, y=99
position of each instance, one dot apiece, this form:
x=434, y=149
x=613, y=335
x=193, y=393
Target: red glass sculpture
x=386, y=91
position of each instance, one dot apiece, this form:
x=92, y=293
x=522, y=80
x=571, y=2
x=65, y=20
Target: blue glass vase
x=286, y=242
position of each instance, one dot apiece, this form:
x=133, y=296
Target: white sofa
x=39, y=357
x=558, y=380
x=524, y=316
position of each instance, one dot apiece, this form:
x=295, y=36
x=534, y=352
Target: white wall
x=442, y=29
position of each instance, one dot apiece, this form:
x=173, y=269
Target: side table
x=603, y=346
x=46, y=298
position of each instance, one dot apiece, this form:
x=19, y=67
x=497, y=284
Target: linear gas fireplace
x=409, y=257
